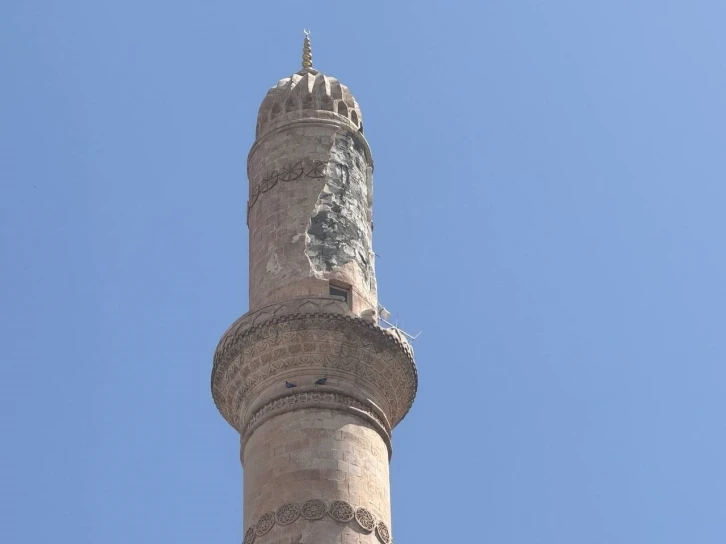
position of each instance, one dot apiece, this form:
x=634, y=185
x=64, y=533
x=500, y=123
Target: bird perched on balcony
x=289, y=385
x=321, y=381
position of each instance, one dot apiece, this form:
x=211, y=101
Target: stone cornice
x=307, y=118
x=266, y=344
x=297, y=305
x=328, y=398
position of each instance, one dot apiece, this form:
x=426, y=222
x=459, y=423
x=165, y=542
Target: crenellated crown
x=308, y=91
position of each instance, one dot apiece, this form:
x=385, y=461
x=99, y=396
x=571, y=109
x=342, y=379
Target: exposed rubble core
x=339, y=230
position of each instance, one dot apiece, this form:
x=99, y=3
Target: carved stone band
x=341, y=511
x=317, y=509
x=287, y=513
x=254, y=352
x=365, y=519
x=289, y=172
x=265, y=523
x=383, y=533
x=328, y=399
x=314, y=509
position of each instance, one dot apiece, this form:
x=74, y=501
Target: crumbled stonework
x=339, y=230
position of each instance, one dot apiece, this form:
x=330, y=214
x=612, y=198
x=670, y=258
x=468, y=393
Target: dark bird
x=321, y=381
x=289, y=385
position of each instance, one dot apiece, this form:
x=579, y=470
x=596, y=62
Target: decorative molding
x=289, y=172
x=299, y=400
x=341, y=511
x=265, y=523
x=277, y=338
x=287, y=513
x=310, y=93
x=382, y=532
x=299, y=305
x=303, y=120
x=365, y=519
x=322, y=341
x=314, y=510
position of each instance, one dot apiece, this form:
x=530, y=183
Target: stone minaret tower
x=310, y=380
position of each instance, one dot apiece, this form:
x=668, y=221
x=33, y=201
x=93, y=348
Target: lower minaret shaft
x=298, y=458
x=314, y=392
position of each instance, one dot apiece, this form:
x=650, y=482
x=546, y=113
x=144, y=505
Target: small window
x=340, y=292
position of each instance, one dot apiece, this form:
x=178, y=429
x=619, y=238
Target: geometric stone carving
x=298, y=305
x=265, y=523
x=341, y=511
x=365, y=519
x=287, y=513
x=314, y=509
x=310, y=91
x=253, y=350
x=299, y=400
x=290, y=172
x=383, y=533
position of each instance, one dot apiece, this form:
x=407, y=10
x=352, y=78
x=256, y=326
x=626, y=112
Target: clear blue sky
x=550, y=210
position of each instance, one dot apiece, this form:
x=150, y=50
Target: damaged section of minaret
x=310, y=201
x=339, y=234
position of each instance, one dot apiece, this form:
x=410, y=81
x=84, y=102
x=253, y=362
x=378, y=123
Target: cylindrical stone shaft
x=307, y=377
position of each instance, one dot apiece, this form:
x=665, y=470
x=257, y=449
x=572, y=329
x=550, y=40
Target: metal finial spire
x=307, y=57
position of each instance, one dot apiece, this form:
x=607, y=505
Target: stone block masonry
x=310, y=214
x=310, y=381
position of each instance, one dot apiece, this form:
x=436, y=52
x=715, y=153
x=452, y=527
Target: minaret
x=310, y=380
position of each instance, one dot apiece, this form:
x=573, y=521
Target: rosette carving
x=382, y=532
x=265, y=523
x=287, y=513
x=341, y=511
x=365, y=519
x=314, y=509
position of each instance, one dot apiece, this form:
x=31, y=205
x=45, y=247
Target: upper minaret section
x=310, y=201
x=305, y=91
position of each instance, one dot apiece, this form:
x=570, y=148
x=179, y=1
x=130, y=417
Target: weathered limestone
x=309, y=211
x=310, y=381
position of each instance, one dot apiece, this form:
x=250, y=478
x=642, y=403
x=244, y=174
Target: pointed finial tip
x=307, y=56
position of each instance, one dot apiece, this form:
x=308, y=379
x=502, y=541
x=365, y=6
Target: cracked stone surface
x=339, y=230
x=314, y=226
